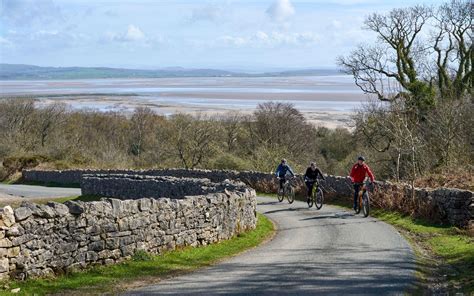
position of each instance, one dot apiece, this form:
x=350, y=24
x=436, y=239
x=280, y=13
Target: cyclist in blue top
x=282, y=170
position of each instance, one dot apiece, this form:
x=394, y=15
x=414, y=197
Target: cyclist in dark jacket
x=311, y=176
x=282, y=170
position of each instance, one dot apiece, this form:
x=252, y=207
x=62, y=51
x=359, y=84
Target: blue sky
x=237, y=35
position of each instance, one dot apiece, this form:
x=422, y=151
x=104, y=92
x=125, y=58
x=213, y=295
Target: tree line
x=56, y=136
x=62, y=137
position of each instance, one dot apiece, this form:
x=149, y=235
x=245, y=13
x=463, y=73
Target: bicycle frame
x=315, y=187
x=288, y=190
x=363, y=191
x=315, y=198
x=287, y=181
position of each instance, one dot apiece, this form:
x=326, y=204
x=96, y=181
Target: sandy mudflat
x=287, y=96
x=324, y=100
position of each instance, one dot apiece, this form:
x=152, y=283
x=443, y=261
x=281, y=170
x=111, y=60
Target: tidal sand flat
x=324, y=100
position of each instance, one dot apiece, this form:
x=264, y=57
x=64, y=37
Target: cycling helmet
x=283, y=160
x=361, y=158
x=312, y=163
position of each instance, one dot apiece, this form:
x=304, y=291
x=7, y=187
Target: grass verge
x=144, y=269
x=445, y=254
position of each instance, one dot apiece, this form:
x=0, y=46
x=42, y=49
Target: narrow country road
x=30, y=191
x=325, y=252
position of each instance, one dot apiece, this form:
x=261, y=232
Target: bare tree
x=16, y=123
x=447, y=132
x=141, y=127
x=192, y=137
x=280, y=125
x=453, y=48
x=398, y=67
x=391, y=129
x=232, y=129
x=48, y=118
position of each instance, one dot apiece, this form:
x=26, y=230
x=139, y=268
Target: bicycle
x=288, y=191
x=317, y=196
x=363, y=199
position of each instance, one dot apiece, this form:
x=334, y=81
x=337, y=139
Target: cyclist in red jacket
x=358, y=173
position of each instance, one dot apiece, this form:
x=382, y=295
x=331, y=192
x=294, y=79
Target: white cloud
x=272, y=39
x=336, y=25
x=133, y=34
x=345, y=33
x=5, y=42
x=234, y=40
x=24, y=13
x=281, y=10
x=210, y=12
x=42, y=33
x=44, y=39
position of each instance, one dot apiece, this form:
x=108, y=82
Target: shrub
x=3, y=173
x=229, y=162
x=15, y=164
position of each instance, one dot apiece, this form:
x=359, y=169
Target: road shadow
x=286, y=210
x=342, y=215
x=387, y=273
x=269, y=203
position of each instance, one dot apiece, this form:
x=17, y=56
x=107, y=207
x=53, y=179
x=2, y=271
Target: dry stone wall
x=441, y=204
x=38, y=240
x=138, y=186
x=67, y=177
x=448, y=205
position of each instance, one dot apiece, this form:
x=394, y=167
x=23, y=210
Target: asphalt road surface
x=325, y=252
x=30, y=191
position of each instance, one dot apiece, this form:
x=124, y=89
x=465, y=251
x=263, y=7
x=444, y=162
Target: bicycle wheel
x=319, y=199
x=290, y=195
x=280, y=195
x=358, y=205
x=366, y=204
x=310, y=201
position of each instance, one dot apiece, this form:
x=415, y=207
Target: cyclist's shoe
x=307, y=200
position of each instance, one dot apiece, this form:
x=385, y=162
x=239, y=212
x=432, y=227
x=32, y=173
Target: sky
x=224, y=34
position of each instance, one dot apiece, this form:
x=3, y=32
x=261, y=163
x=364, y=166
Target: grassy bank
x=144, y=268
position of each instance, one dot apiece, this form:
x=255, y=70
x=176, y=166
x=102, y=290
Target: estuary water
x=326, y=100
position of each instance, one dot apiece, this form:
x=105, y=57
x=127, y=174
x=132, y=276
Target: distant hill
x=29, y=72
